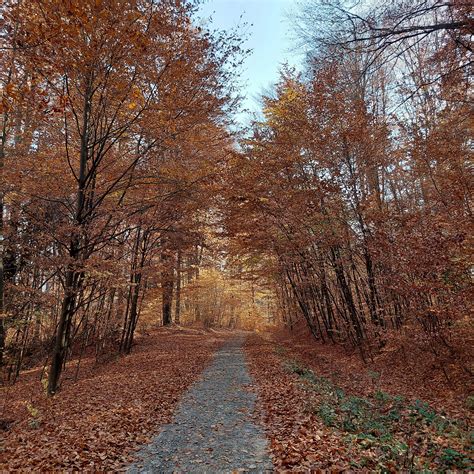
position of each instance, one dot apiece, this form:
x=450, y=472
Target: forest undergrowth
x=325, y=412
x=108, y=411
x=402, y=368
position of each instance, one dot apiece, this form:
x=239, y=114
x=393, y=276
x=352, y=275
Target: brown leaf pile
x=97, y=421
x=290, y=408
x=298, y=438
x=411, y=373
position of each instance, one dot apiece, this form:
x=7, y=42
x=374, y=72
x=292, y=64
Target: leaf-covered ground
x=412, y=371
x=315, y=423
x=95, y=423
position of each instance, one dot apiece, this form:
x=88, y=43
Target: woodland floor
x=97, y=421
x=324, y=409
x=190, y=400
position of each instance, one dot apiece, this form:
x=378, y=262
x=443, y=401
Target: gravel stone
x=212, y=430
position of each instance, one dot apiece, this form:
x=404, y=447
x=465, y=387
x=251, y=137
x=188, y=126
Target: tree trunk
x=72, y=280
x=62, y=331
x=167, y=284
x=178, y=288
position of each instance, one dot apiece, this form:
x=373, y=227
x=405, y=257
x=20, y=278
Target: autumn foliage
x=353, y=191
x=131, y=198
x=115, y=119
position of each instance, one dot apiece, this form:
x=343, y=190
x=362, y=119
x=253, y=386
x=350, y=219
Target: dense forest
x=354, y=190
x=132, y=197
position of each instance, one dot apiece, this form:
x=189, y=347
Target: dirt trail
x=212, y=429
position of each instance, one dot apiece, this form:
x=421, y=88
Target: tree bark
x=177, y=313
x=167, y=284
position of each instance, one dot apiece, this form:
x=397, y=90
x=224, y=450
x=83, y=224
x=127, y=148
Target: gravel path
x=212, y=429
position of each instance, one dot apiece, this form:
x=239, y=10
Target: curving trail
x=212, y=429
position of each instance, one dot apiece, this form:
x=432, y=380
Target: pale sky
x=269, y=39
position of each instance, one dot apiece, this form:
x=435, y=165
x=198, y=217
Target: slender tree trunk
x=3, y=142
x=178, y=288
x=167, y=287
x=3, y=316
x=346, y=293
x=302, y=304
x=65, y=318
x=72, y=279
x=132, y=319
x=2, y=299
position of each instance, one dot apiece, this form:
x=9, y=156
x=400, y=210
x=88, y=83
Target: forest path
x=212, y=429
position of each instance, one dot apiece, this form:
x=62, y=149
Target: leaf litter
x=96, y=422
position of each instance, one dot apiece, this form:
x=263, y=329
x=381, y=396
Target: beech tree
x=349, y=202
x=123, y=92
x=124, y=191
